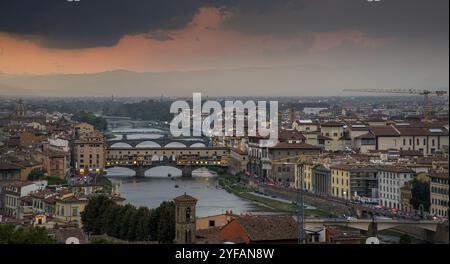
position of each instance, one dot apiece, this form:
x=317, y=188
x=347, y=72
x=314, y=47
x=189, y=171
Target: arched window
x=188, y=214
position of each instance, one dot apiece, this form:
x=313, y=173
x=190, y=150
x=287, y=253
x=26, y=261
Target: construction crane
x=299, y=161
x=425, y=93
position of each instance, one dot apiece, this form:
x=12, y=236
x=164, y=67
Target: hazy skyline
x=284, y=47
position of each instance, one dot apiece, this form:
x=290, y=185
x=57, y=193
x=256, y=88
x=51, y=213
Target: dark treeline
x=10, y=234
x=98, y=122
x=144, y=110
x=126, y=222
x=64, y=106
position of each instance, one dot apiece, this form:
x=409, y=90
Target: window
x=188, y=214
x=75, y=211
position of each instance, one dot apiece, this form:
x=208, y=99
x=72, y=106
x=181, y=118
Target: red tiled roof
x=418, y=131
x=398, y=169
x=384, y=131
x=41, y=193
x=290, y=135
x=342, y=166
x=332, y=124
x=285, y=145
x=366, y=135
x=185, y=198
x=441, y=175
x=269, y=228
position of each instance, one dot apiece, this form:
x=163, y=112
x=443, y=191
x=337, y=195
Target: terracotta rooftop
x=185, y=198
x=342, y=166
x=208, y=236
x=441, y=175
x=267, y=228
x=366, y=136
x=398, y=169
x=332, y=124
x=290, y=135
x=384, y=131
x=286, y=145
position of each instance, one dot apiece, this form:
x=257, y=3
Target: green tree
x=94, y=213
x=420, y=194
x=126, y=221
x=97, y=121
x=108, y=220
x=166, y=222
x=36, y=174
x=9, y=234
x=142, y=230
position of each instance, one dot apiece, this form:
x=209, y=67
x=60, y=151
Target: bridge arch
x=148, y=144
x=144, y=136
x=120, y=171
x=203, y=172
x=163, y=171
x=175, y=145
x=198, y=145
x=121, y=145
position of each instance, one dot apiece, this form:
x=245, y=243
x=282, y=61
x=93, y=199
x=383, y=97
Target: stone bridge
x=163, y=142
x=186, y=169
x=142, y=159
x=120, y=121
x=424, y=229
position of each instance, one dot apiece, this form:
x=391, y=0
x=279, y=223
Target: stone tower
x=20, y=109
x=185, y=217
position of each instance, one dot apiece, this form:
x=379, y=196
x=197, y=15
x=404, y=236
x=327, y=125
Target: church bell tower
x=185, y=217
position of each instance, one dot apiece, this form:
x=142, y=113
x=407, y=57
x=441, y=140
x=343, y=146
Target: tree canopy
x=9, y=234
x=126, y=222
x=98, y=122
x=420, y=195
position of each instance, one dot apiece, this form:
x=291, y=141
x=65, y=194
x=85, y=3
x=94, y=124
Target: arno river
x=153, y=190
x=157, y=187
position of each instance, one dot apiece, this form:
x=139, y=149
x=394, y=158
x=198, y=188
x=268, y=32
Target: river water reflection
x=153, y=190
x=157, y=186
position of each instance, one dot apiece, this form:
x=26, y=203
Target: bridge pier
x=186, y=171
x=140, y=171
x=372, y=230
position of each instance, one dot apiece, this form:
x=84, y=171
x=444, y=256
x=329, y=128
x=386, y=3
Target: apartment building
x=390, y=181
x=90, y=153
x=427, y=140
x=439, y=194
x=335, y=131
x=350, y=181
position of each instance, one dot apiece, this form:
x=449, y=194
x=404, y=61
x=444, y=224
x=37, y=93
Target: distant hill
x=308, y=80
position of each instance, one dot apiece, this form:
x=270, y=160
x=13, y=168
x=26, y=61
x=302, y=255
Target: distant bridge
x=428, y=230
x=162, y=142
x=119, y=121
x=367, y=224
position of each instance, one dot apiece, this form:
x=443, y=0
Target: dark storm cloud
x=91, y=23
x=387, y=18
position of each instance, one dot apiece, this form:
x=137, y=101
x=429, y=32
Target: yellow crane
x=425, y=93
